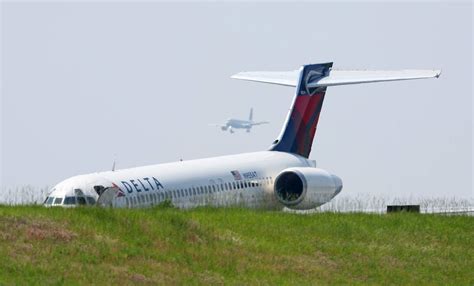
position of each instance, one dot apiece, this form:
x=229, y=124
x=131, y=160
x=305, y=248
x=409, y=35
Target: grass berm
x=164, y=245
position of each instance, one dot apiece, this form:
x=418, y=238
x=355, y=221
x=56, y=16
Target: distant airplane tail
x=251, y=114
x=311, y=82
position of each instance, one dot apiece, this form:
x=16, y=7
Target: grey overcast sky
x=83, y=83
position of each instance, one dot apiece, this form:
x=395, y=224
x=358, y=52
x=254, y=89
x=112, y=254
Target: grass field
x=231, y=246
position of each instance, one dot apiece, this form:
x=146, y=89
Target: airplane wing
x=216, y=125
x=260, y=123
x=337, y=77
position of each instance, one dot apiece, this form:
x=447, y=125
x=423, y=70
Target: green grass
x=231, y=246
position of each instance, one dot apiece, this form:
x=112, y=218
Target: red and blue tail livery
x=298, y=133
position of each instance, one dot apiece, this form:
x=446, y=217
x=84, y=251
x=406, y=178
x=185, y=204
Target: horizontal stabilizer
x=337, y=77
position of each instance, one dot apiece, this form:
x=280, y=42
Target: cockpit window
x=49, y=200
x=58, y=201
x=70, y=201
x=81, y=200
x=90, y=200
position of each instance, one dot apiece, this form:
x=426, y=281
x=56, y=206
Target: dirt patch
x=34, y=229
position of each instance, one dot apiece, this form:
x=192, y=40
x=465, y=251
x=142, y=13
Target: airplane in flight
x=282, y=176
x=232, y=124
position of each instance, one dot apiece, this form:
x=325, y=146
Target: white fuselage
x=236, y=180
x=232, y=124
x=239, y=124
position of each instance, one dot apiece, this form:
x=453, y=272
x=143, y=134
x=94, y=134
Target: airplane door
x=108, y=196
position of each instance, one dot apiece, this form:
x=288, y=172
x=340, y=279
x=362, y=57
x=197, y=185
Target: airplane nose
x=337, y=183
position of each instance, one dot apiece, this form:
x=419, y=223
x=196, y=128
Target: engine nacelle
x=305, y=188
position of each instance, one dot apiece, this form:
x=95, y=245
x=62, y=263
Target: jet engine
x=304, y=188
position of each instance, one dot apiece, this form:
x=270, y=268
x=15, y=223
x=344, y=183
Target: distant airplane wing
x=337, y=77
x=260, y=123
x=216, y=125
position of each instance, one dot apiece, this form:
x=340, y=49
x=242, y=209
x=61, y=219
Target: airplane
x=232, y=123
x=282, y=176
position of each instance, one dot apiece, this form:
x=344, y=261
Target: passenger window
x=49, y=200
x=58, y=201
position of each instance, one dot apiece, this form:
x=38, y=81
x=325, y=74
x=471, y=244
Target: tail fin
x=298, y=133
x=311, y=82
x=251, y=114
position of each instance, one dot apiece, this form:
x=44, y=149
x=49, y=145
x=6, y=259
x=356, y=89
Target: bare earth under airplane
x=280, y=177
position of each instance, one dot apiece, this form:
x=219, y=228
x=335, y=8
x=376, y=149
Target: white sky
x=84, y=82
